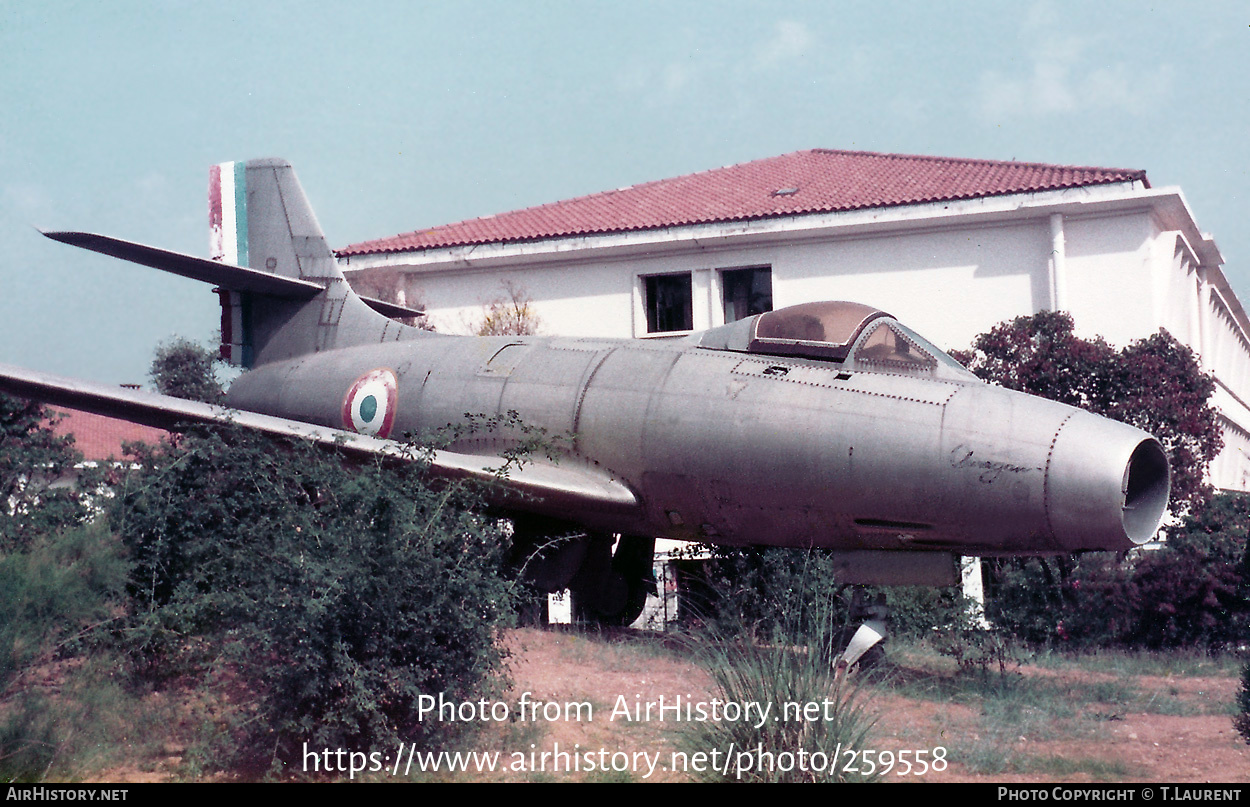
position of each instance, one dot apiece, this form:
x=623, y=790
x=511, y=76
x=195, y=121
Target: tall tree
x=184, y=369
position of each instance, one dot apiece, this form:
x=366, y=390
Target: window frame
x=724, y=276
x=652, y=316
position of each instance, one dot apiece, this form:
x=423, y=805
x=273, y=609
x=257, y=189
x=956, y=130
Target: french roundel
x=369, y=407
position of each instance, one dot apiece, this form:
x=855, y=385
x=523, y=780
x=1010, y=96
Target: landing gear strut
x=609, y=588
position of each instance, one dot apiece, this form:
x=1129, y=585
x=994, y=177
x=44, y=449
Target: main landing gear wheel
x=609, y=588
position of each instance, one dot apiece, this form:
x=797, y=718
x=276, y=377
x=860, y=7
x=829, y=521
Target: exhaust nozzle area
x=1106, y=486
x=1147, y=484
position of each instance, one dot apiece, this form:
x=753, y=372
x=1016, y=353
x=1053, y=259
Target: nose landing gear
x=864, y=643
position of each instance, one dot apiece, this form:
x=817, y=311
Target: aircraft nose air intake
x=1107, y=484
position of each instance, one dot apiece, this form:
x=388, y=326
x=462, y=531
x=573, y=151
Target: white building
x=951, y=247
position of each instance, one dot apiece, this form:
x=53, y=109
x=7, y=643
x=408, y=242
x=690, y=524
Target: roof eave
x=363, y=249
x=774, y=228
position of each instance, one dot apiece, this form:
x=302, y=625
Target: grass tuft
x=785, y=676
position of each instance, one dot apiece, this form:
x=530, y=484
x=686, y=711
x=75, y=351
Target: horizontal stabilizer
x=552, y=484
x=227, y=276
x=393, y=310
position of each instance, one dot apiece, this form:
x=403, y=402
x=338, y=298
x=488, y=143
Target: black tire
x=616, y=604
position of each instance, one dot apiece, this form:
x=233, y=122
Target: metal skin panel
x=994, y=457
x=796, y=457
x=548, y=383
x=616, y=405
x=887, y=447
x=284, y=239
x=813, y=457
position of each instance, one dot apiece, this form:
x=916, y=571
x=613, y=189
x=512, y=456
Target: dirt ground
x=1097, y=743
x=1140, y=728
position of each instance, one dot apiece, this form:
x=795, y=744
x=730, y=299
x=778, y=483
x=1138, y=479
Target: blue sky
x=403, y=115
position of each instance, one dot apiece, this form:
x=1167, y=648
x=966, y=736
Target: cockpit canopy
x=819, y=330
x=853, y=334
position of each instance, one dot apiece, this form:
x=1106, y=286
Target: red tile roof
x=99, y=437
x=815, y=181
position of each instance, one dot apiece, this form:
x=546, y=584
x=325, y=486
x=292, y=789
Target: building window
x=747, y=292
x=670, y=303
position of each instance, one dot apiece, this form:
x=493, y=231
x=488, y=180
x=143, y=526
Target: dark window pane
x=747, y=292
x=670, y=305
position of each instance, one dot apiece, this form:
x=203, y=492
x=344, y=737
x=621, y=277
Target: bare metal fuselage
x=732, y=447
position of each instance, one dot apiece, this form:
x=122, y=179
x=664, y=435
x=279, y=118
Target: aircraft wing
x=554, y=484
x=228, y=276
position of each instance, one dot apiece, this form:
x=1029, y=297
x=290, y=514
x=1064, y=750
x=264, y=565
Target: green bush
x=1191, y=592
x=184, y=369
x=61, y=576
x=770, y=591
x=919, y=612
x=333, y=596
x=1188, y=593
x=54, y=593
x=1241, y=721
x=978, y=649
x=1069, y=602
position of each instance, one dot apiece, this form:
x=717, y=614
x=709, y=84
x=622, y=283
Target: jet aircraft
x=829, y=425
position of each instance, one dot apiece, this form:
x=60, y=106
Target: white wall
x=1109, y=280
x=586, y=300
x=949, y=284
x=1231, y=469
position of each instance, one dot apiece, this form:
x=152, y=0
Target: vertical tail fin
x=227, y=196
x=259, y=218
x=227, y=213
